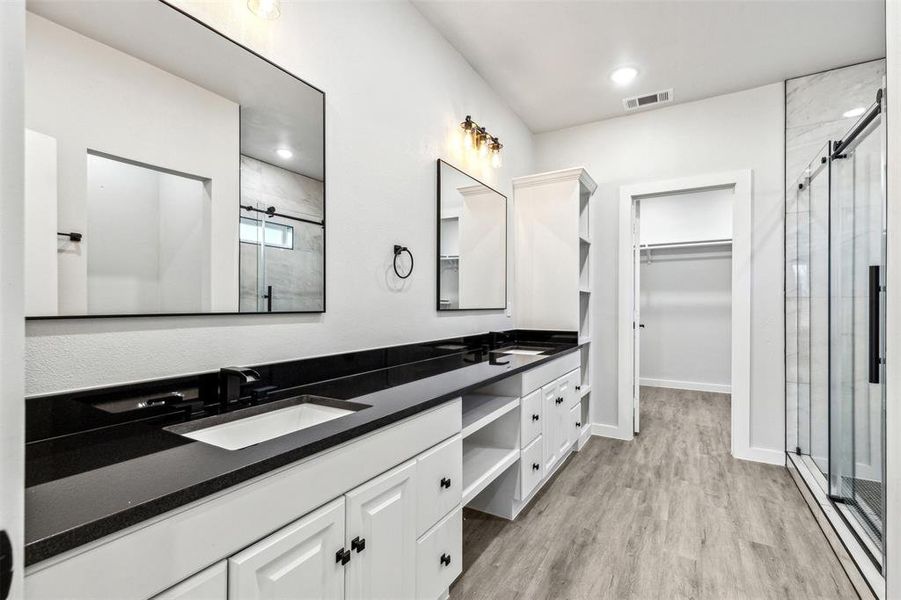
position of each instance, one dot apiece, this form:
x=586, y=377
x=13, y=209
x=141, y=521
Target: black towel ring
x=398, y=250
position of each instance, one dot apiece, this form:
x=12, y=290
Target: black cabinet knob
x=358, y=544
x=578, y=424
x=559, y=400
x=535, y=417
x=342, y=556
x=535, y=466
x=445, y=482
x=578, y=387
x=445, y=559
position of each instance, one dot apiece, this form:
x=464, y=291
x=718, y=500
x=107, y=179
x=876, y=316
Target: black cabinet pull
x=875, y=328
x=559, y=400
x=535, y=466
x=445, y=559
x=342, y=556
x=578, y=387
x=535, y=417
x=358, y=544
x=578, y=423
x=445, y=482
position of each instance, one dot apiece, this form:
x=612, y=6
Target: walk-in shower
x=836, y=278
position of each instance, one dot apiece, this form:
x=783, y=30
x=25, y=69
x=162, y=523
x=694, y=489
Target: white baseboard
x=610, y=431
x=695, y=386
x=761, y=455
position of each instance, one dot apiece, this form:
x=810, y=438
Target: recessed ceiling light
x=854, y=112
x=284, y=153
x=623, y=75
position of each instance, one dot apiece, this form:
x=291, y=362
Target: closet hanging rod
x=706, y=243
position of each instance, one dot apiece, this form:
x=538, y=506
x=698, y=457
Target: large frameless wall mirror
x=169, y=170
x=472, y=243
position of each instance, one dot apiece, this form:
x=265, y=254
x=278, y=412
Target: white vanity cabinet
x=298, y=561
x=559, y=397
x=209, y=584
x=381, y=525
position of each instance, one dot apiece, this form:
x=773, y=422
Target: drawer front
x=439, y=557
x=548, y=372
x=531, y=465
x=569, y=385
x=530, y=413
x=439, y=482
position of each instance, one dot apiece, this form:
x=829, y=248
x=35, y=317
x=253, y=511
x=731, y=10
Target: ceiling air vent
x=636, y=102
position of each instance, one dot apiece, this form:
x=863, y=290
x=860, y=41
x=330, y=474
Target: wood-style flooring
x=668, y=515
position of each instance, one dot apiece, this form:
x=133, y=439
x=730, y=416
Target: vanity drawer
x=531, y=467
x=439, y=557
x=530, y=415
x=439, y=481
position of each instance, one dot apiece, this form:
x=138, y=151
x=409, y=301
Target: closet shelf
x=479, y=410
x=698, y=244
x=482, y=464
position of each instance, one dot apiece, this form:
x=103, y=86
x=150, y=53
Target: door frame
x=740, y=182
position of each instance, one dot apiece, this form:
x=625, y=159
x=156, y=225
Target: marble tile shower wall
x=814, y=108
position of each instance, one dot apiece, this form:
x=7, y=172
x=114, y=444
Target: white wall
x=743, y=130
x=395, y=94
x=76, y=87
x=41, y=241
x=12, y=170
x=686, y=307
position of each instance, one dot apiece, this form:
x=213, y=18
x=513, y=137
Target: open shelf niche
x=490, y=440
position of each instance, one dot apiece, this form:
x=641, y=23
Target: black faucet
x=230, y=381
x=499, y=338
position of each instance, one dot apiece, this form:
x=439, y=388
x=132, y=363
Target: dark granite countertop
x=89, y=474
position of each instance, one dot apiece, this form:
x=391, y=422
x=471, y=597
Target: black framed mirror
x=472, y=243
x=170, y=170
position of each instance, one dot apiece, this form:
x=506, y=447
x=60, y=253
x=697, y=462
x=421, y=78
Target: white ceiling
x=551, y=61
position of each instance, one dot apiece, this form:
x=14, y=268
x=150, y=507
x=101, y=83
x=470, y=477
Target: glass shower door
x=856, y=315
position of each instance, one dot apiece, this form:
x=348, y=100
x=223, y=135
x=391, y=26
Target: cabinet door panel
x=382, y=513
x=550, y=427
x=439, y=557
x=574, y=422
x=296, y=562
x=439, y=478
x=209, y=584
x=571, y=383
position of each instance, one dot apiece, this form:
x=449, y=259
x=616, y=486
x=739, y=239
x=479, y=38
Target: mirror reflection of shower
x=282, y=243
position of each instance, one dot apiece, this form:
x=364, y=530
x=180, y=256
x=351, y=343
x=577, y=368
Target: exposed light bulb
x=265, y=9
x=854, y=112
x=624, y=75
x=483, y=148
x=284, y=153
x=495, y=159
x=467, y=139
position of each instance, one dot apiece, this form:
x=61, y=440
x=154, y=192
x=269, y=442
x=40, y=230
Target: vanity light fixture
x=265, y=9
x=284, y=153
x=477, y=138
x=624, y=75
x=854, y=112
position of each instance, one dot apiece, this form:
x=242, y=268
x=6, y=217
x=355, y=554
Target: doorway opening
x=685, y=246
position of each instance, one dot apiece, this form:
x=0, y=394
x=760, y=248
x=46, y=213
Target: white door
x=636, y=312
x=381, y=534
x=12, y=321
x=550, y=396
x=299, y=562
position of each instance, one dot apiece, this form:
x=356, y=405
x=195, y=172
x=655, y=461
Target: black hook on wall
x=398, y=250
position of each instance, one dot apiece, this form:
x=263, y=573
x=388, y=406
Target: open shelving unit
x=585, y=286
x=491, y=428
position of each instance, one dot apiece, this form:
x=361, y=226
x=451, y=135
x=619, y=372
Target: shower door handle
x=875, y=360
x=268, y=297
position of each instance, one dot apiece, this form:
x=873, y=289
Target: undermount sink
x=523, y=350
x=249, y=426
